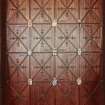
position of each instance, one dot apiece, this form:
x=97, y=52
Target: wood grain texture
x=54, y=52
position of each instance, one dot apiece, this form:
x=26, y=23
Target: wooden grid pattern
x=54, y=52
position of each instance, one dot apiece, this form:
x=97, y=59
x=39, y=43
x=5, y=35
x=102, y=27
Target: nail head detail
x=29, y=52
x=29, y=23
x=79, y=51
x=29, y=81
x=54, y=82
x=54, y=52
x=79, y=81
x=54, y=23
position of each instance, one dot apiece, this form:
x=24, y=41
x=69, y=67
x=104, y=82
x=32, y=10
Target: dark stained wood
x=3, y=65
x=54, y=50
x=104, y=43
x=0, y=58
